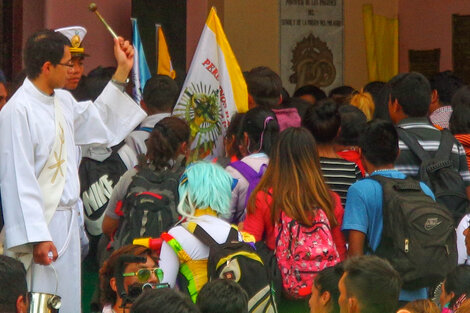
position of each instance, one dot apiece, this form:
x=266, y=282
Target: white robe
x=27, y=134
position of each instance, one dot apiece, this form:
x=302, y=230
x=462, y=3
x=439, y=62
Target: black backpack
x=150, y=205
x=97, y=181
x=239, y=261
x=439, y=173
x=418, y=238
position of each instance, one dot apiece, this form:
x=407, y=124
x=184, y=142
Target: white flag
x=213, y=91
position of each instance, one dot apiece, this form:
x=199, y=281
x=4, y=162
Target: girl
x=166, y=150
x=293, y=183
x=260, y=130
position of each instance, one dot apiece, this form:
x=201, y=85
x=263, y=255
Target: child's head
x=260, y=130
x=364, y=102
x=379, y=143
x=325, y=291
x=456, y=287
x=205, y=185
x=222, y=296
x=353, y=122
x=323, y=121
x=168, y=139
x=234, y=137
x=420, y=306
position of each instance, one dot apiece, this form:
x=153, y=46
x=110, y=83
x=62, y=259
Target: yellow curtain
x=381, y=44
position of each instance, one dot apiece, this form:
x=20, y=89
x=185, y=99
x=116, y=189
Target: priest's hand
x=42, y=252
x=124, y=54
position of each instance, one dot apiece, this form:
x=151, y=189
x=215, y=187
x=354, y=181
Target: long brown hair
x=294, y=179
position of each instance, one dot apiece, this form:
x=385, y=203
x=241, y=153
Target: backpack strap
x=413, y=144
x=200, y=234
x=247, y=171
x=445, y=146
x=207, y=239
x=146, y=129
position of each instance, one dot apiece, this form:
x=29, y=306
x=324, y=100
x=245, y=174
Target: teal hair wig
x=204, y=185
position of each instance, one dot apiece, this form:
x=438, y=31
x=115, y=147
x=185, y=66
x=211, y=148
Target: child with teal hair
x=205, y=196
x=205, y=185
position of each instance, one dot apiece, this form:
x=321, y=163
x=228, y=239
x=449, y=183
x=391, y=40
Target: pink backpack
x=302, y=252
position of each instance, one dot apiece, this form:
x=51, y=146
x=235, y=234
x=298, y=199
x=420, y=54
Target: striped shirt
x=339, y=174
x=429, y=138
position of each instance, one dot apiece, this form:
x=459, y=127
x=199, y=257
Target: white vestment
x=27, y=134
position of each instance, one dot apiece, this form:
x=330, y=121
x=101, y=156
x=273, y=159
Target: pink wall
x=59, y=13
x=427, y=24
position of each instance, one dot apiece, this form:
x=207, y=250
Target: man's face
x=3, y=95
x=343, y=298
x=134, y=268
x=75, y=74
x=314, y=302
x=59, y=72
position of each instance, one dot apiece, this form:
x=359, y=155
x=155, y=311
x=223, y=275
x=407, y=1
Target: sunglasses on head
x=143, y=274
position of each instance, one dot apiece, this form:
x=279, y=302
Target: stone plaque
x=425, y=62
x=461, y=46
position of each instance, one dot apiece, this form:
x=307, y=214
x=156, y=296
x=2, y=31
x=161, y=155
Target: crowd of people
x=351, y=201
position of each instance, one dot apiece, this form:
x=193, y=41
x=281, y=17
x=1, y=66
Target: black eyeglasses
x=68, y=64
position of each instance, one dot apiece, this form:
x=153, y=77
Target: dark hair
x=264, y=85
x=91, y=86
x=311, y=90
x=458, y=282
x=262, y=128
x=235, y=130
x=353, y=122
x=165, y=140
x=446, y=84
x=413, y=93
x=374, y=282
x=462, y=96
x=161, y=92
x=459, y=122
x=163, y=300
x=42, y=46
x=342, y=94
x=379, y=142
x=285, y=96
x=12, y=283
x=422, y=306
x=323, y=120
x=222, y=296
x=108, y=295
x=327, y=280
x=300, y=104
x=374, y=88
x=381, y=103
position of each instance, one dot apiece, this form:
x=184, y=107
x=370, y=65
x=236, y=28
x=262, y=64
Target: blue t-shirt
x=363, y=212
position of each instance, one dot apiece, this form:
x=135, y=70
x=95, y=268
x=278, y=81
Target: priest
x=40, y=129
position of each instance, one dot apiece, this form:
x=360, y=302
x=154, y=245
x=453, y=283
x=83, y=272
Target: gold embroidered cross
x=58, y=158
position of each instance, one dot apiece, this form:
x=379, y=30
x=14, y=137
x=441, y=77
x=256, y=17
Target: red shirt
x=259, y=223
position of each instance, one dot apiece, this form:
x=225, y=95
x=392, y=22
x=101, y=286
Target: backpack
x=439, y=173
x=418, y=237
x=239, y=261
x=97, y=181
x=253, y=177
x=149, y=207
x=303, y=251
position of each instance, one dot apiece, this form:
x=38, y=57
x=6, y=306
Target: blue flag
x=140, y=71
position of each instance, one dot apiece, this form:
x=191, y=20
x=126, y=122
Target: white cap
x=75, y=34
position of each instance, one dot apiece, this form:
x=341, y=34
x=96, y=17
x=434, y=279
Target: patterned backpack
x=302, y=252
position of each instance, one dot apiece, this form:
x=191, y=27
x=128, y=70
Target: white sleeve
x=21, y=195
x=170, y=264
x=108, y=120
x=461, y=248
